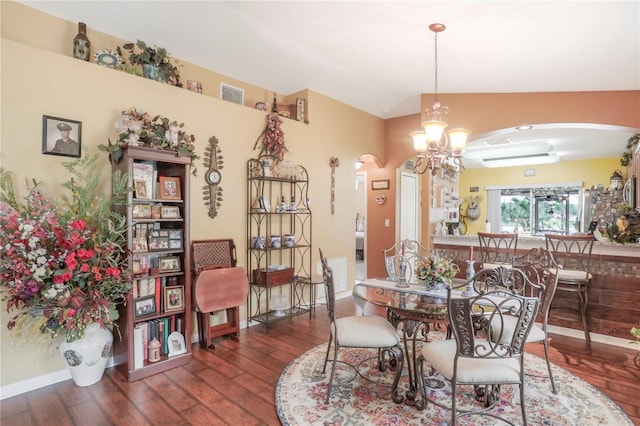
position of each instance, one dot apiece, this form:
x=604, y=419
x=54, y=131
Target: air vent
x=231, y=94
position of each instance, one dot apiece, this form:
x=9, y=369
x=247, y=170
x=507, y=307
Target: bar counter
x=614, y=295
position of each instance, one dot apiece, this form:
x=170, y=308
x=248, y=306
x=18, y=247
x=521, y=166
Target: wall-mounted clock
x=212, y=191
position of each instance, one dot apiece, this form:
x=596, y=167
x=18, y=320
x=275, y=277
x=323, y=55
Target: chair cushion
x=536, y=334
x=488, y=265
x=440, y=355
x=574, y=275
x=366, y=331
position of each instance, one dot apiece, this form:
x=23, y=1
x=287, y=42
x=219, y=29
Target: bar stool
x=573, y=254
x=497, y=249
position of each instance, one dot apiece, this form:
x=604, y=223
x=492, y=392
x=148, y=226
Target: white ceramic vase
x=87, y=358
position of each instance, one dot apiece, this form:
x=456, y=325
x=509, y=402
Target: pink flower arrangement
x=59, y=271
x=272, y=137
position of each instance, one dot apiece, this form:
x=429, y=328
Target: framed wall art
x=169, y=188
x=61, y=136
x=380, y=184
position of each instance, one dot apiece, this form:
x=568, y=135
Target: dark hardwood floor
x=235, y=383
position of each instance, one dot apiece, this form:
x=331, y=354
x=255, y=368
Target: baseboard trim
x=579, y=334
x=34, y=383
x=38, y=382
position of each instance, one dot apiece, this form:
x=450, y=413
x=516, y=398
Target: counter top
x=528, y=242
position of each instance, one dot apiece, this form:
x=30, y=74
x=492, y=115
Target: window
x=536, y=210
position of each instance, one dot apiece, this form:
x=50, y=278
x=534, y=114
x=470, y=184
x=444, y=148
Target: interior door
x=408, y=206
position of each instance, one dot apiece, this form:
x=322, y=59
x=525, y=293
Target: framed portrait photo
x=169, y=188
x=144, y=306
x=169, y=264
x=61, y=136
x=173, y=298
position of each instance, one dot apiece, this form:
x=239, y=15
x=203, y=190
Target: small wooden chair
x=218, y=285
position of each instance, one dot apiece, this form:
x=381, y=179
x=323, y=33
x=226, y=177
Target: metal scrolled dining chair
x=361, y=331
x=407, y=251
x=573, y=255
x=541, y=269
x=486, y=351
x=497, y=249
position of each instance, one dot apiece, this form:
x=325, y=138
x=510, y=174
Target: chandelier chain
x=435, y=65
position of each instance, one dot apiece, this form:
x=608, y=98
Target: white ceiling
x=379, y=56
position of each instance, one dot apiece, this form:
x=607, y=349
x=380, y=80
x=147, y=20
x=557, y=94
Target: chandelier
x=435, y=148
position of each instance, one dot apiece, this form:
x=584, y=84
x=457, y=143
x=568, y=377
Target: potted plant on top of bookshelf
x=155, y=62
x=138, y=128
x=64, y=266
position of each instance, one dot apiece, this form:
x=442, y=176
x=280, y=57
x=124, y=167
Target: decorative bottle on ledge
x=81, y=43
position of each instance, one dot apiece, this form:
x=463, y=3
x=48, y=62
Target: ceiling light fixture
x=436, y=148
x=509, y=150
x=529, y=160
x=359, y=163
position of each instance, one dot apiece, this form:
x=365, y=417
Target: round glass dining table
x=414, y=310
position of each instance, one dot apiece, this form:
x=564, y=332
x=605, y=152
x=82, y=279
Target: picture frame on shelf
x=170, y=212
x=175, y=234
x=177, y=344
x=136, y=267
x=379, y=184
x=144, y=306
x=141, y=211
x=139, y=245
x=142, y=192
x=169, y=188
x=175, y=244
x=61, y=136
x=168, y=264
x=264, y=204
x=173, y=298
x=158, y=243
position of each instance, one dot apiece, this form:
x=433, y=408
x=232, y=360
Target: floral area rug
x=365, y=398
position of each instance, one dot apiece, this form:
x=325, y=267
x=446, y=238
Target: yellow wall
x=39, y=77
x=589, y=172
x=37, y=82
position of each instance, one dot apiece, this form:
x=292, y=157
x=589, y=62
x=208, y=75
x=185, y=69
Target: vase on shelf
x=81, y=43
x=86, y=358
x=151, y=72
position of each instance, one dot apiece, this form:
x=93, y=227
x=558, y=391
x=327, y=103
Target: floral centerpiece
x=64, y=262
x=435, y=270
x=138, y=128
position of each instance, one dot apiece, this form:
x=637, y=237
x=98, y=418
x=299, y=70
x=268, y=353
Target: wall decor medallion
x=381, y=199
x=108, y=58
x=212, y=191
